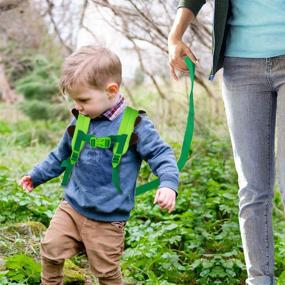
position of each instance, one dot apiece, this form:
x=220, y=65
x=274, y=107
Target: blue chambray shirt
x=90, y=190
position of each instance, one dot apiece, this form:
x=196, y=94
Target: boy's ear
x=112, y=89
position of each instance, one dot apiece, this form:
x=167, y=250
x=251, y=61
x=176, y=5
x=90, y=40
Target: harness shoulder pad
x=71, y=130
x=138, y=120
x=134, y=138
x=75, y=113
x=142, y=112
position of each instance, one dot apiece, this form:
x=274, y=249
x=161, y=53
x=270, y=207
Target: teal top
x=222, y=13
x=256, y=29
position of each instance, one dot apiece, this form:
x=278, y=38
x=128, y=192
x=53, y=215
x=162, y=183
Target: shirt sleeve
x=157, y=154
x=193, y=5
x=50, y=167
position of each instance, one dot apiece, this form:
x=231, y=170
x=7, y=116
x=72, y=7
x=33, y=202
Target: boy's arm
x=157, y=153
x=50, y=167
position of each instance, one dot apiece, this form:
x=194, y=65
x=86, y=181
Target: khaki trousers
x=68, y=233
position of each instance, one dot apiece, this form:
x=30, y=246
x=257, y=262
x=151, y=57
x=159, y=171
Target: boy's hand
x=27, y=183
x=165, y=198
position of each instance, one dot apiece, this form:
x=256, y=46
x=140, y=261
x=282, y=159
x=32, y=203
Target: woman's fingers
x=173, y=73
x=189, y=53
x=177, y=52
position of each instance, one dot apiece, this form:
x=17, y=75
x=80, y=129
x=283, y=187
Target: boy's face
x=92, y=102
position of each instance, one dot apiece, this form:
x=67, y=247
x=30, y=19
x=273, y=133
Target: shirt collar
x=112, y=113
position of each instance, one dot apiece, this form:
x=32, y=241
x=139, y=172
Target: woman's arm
x=176, y=47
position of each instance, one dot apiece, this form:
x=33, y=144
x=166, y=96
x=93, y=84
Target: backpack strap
x=77, y=144
x=122, y=141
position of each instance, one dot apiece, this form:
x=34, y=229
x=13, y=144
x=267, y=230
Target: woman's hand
x=177, y=49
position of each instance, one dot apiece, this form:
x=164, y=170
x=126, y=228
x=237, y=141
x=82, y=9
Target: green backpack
x=119, y=142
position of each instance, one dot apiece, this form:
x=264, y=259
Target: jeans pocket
x=118, y=225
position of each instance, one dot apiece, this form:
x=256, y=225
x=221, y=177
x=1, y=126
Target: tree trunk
x=6, y=93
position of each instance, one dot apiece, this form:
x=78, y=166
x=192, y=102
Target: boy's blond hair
x=91, y=66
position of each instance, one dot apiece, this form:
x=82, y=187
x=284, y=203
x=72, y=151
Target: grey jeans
x=254, y=96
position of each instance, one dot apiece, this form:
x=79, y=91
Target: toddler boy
x=93, y=213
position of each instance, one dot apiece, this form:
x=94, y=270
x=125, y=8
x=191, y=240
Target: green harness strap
x=188, y=135
x=82, y=124
x=125, y=132
x=120, y=142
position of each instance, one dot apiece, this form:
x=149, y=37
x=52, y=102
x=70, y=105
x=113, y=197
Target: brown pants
x=68, y=233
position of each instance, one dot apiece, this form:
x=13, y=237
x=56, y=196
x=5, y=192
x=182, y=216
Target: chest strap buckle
x=100, y=142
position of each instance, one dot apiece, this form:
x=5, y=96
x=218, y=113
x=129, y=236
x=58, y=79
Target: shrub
x=23, y=268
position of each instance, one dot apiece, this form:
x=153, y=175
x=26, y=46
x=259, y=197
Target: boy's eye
x=83, y=100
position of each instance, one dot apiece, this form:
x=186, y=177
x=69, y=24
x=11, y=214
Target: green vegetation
x=24, y=269
x=40, y=90
x=198, y=244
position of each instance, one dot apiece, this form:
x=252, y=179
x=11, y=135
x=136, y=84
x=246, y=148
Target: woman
x=249, y=43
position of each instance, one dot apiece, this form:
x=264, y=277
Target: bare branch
x=6, y=5
x=55, y=26
x=82, y=17
x=85, y=5
x=148, y=20
x=154, y=81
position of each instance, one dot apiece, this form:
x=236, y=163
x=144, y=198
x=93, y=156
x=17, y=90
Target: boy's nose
x=78, y=107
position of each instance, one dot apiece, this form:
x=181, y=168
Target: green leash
x=121, y=141
x=188, y=135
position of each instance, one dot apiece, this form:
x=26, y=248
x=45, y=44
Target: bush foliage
x=198, y=244
x=39, y=87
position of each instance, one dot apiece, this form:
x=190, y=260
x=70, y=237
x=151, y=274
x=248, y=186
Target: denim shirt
x=90, y=190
